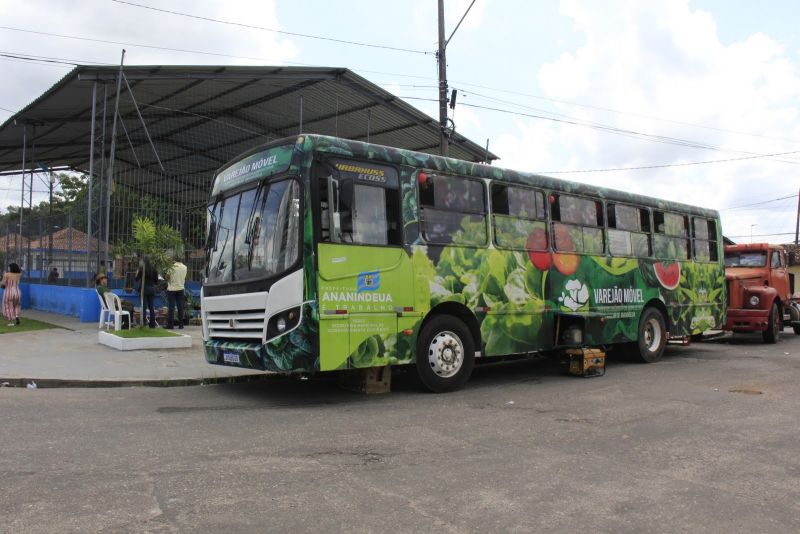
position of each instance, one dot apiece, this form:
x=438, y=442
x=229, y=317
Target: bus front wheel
x=652, y=336
x=445, y=354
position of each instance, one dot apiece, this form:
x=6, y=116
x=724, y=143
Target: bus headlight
x=754, y=301
x=282, y=322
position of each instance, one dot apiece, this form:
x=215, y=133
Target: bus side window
x=452, y=210
x=671, y=239
x=705, y=239
x=578, y=225
x=628, y=231
x=518, y=217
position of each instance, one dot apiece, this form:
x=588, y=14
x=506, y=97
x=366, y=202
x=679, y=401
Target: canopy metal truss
x=175, y=125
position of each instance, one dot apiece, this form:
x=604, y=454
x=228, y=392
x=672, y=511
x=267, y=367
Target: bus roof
x=399, y=156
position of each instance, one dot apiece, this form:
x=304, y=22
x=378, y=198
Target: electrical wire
x=121, y=43
x=667, y=165
x=637, y=135
x=455, y=83
x=759, y=235
x=624, y=132
x=293, y=34
x=567, y=120
x=52, y=59
x=759, y=203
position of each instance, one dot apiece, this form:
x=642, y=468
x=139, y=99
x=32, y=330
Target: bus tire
x=652, y=337
x=445, y=354
x=773, y=331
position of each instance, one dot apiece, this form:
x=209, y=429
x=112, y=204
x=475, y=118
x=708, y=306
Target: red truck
x=760, y=290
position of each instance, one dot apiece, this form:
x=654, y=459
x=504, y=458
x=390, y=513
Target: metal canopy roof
x=199, y=117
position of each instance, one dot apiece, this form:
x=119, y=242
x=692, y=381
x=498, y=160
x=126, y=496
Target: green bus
x=326, y=254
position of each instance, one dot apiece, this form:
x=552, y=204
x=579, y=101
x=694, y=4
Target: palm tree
x=155, y=246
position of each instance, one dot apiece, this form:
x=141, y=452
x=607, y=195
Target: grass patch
x=25, y=325
x=143, y=332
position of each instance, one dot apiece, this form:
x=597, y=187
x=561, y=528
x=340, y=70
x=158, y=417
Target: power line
x=198, y=52
x=760, y=235
x=568, y=120
x=618, y=112
x=31, y=62
x=634, y=134
x=34, y=58
x=666, y=165
x=294, y=34
x=105, y=41
x=759, y=203
x=620, y=131
x=66, y=61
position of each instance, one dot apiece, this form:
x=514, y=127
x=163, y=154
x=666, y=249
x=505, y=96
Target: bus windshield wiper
x=253, y=222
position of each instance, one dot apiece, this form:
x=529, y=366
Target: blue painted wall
x=75, y=301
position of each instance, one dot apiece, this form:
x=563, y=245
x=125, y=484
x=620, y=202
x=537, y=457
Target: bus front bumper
x=244, y=355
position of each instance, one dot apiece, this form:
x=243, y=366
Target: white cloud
x=663, y=59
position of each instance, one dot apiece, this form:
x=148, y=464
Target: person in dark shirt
x=148, y=290
x=52, y=278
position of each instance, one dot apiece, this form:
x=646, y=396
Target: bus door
x=364, y=273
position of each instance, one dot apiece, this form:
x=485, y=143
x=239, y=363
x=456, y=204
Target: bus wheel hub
x=446, y=354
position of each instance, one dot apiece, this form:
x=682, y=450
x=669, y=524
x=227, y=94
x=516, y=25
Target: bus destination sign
x=255, y=167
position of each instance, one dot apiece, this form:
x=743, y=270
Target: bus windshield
x=745, y=259
x=254, y=233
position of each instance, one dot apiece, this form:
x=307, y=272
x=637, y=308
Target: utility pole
x=443, y=133
x=797, y=224
x=443, y=140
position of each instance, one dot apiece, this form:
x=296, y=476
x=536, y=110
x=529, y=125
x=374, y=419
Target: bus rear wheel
x=445, y=354
x=652, y=336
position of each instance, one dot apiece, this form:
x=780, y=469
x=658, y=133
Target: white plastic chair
x=104, y=316
x=115, y=310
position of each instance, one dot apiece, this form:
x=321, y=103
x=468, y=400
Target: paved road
x=704, y=441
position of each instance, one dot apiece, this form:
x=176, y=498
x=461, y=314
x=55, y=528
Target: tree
x=156, y=244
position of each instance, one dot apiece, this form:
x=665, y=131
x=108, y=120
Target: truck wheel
x=652, y=336
x=445, y=354
x=773, y=331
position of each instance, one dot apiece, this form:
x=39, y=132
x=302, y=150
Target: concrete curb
x=167, y=382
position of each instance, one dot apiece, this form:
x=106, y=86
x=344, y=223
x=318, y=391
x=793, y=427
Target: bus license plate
x=231, y=357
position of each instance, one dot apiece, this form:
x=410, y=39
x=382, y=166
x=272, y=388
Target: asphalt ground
x=704, y=441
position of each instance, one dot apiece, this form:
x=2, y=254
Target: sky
x=695, y=101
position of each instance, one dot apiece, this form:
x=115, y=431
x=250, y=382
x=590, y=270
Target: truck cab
x=760, y=290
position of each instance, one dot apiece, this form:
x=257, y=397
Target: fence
x=56, y=250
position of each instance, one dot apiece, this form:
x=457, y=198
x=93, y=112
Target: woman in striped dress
x=12, y=296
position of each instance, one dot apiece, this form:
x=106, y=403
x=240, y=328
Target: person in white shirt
x=176, y=278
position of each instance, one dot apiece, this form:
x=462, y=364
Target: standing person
x=12, y=297
x=176, y=280
x=52, y=278
x=148, y=290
